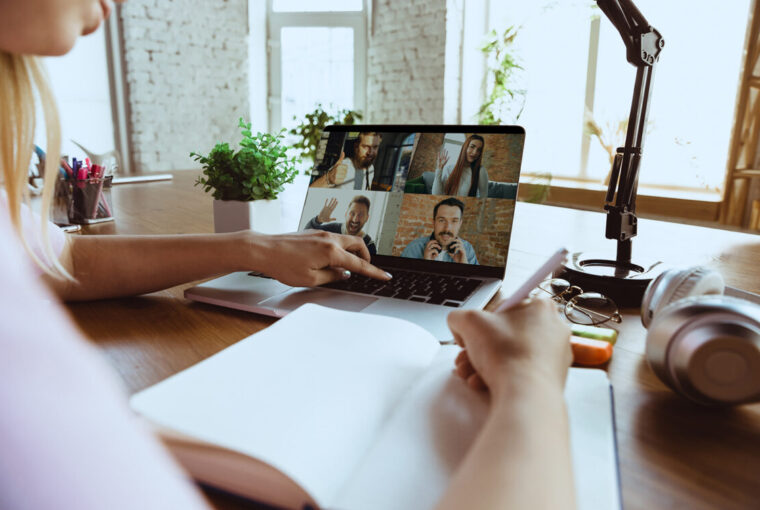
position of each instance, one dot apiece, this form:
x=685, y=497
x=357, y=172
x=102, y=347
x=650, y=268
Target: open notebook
x=352, y=411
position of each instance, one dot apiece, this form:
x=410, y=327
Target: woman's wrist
x=524, y=378
x=248, y=250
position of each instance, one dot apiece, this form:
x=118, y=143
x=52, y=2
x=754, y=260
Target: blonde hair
x=23, y=82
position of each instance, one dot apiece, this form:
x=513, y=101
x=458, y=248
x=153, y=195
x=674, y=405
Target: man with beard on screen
x=443, y=244
x=357, y=171
x=356, y=216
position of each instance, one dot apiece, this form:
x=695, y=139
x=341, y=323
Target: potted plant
x=245, y=184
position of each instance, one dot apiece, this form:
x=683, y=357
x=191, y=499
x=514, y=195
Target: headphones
x=703, y=338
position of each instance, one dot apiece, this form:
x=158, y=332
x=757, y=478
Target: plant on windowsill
x=505, y=101
x=245, y=183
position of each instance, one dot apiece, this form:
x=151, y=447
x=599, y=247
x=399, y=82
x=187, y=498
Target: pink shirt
x=31, y=227
x=67, y=438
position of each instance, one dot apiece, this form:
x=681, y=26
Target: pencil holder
x=91, y=200
x=59, y=211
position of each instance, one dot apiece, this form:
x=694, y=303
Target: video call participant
x=357, y=171
x=356, y=216
x=443, y=244
x=457, y=178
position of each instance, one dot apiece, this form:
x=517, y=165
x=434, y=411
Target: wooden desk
x=673, y=454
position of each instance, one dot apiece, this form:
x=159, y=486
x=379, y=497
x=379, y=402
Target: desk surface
x=673, y=454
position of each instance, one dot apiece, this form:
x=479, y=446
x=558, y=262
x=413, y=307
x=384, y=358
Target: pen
x=68, y=169
x=586, y=351
x=524, y=291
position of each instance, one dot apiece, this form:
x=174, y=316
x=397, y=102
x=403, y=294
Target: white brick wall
x=406, y=62
x=186, y=70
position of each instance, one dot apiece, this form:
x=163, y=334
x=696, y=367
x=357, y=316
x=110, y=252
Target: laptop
x=433, y=204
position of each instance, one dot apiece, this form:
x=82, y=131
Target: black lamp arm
x=643, y=46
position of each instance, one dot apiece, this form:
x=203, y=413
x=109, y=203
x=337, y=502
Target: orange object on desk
x=587, y=351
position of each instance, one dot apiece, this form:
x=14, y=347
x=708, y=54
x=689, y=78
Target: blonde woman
x=66, y=436
x=145, y=263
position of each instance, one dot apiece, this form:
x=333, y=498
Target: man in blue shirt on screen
x=443, y=244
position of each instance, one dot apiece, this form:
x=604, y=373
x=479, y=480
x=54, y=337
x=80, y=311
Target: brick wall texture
x=425, y=156
x=405, y=67
x=486, y=225
x=187, y=76
x=501, y=157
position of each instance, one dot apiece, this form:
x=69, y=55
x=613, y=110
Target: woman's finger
x=330, y=274
x=355, y=245
x=358, y=265
x=361, y=266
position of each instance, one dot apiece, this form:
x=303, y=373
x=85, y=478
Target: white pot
x=259, y=215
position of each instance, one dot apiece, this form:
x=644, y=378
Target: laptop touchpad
x=289, y=301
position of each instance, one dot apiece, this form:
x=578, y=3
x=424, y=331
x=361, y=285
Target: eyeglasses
x=587, y=308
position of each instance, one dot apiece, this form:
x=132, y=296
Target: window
x=79, y=81
x=317, y=54
x=311, y=6
x=574, y=60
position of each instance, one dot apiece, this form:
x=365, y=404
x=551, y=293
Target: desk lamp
x=621, y=279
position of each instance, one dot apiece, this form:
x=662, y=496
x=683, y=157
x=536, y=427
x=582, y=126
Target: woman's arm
x=440, y=175
x=439, y=181
x=483, y=183
x=118, y=266
x=521, y=458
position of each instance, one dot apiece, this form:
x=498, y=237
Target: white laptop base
x=242, y=291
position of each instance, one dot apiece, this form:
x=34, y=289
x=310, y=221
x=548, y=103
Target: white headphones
x=703, y=344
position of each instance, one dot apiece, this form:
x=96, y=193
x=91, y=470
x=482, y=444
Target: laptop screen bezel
x=403, y=263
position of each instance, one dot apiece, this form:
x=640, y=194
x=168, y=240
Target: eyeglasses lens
x=591, y=308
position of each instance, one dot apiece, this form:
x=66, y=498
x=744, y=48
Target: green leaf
x=504, y=100
x=251, y=173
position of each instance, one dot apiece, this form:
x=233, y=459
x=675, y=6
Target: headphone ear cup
x=707, y=349
x=676, y=284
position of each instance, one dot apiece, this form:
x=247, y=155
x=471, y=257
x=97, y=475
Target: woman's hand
x=502, y=350
x=443, y=158
x=311, y=258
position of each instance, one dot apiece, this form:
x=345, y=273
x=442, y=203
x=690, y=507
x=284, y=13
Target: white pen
x=545, y=270
x=523, y=292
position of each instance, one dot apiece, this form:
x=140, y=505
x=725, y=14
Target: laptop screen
x=433, y=198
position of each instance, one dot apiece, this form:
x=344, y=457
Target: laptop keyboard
x=434, y=289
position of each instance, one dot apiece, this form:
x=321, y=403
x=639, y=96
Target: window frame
x=276, y=21
x=117, y=80
x=655, y=200
x=580, y=174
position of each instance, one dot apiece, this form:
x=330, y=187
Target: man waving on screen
x=356, y=216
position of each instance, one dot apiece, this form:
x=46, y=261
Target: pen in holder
x=91, y=200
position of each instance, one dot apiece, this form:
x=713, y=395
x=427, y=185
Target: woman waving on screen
x=466, y=177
